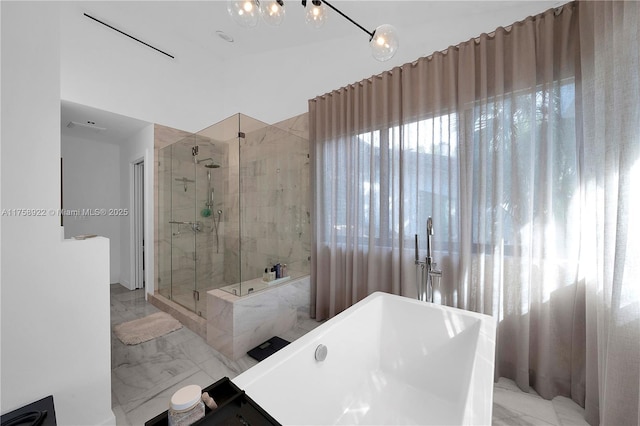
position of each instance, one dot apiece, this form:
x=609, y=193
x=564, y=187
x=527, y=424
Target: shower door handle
x=195, y=226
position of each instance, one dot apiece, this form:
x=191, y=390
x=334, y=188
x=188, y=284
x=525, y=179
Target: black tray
x=234, y=408
x=43, y=407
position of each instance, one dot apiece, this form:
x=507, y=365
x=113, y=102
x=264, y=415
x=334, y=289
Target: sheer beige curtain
x=482, y=138
x=356, y=169
x=610, y=179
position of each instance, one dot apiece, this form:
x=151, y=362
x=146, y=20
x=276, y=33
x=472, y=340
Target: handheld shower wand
x=428, y=267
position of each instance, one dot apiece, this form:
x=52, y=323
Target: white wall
x=138, y=146
x=55, y=300
x=91, y=180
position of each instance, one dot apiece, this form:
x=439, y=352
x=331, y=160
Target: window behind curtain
x=506, y=140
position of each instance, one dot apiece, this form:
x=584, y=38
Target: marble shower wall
x=269, y=202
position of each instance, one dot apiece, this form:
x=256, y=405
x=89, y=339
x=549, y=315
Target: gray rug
x=147, y=328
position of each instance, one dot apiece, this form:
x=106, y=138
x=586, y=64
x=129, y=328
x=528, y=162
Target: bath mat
x=267, y=348
x=147, y=328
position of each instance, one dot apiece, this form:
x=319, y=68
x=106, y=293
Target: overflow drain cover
x=321, y=353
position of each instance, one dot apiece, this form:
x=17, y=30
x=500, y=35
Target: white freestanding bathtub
x=390, y=360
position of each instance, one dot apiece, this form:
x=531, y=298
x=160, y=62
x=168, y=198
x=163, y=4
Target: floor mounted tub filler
x=387, y=360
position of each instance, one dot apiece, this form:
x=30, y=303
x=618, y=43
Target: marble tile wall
x=238, y=324
x=269, y=199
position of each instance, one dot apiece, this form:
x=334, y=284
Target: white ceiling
x=187, y=30
x=179, y=27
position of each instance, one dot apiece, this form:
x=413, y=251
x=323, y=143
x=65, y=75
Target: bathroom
x=74, y=59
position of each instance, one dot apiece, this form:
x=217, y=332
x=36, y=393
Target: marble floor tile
x=160, y=402
x=121, y=417
x=132, y=383
x=524, y=404
x=116, y=289
x=569, y=413
x=217, y=369
x=510, y=385
x=520, y=420
x=197, y=350
x=238, y=366
x=294, y=334
x=308, y=323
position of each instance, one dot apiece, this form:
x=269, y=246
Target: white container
x=186, y=406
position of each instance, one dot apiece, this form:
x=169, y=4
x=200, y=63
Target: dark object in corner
x=39, y=413
x=235, y=408
x=267, y=348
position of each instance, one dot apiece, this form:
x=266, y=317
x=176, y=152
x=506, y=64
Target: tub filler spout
x=428, y=267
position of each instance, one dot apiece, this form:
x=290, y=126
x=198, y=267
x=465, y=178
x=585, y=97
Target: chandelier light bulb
x=384, y=43
x=272, y=12
x=244, y=12
x=316, y=15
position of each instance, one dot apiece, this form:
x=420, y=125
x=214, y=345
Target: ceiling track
x=129, y=35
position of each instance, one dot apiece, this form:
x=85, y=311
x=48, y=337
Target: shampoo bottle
x=278, y=271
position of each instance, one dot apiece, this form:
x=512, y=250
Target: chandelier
x=383, y=40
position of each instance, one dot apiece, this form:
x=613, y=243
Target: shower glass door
x=184, y=224
x=218, y=179
x=210, y=175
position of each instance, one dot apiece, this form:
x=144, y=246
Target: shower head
x=210, y=165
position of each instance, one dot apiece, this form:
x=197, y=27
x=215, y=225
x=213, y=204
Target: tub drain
x=321, y=353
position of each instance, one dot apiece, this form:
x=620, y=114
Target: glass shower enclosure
x=233, y=199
